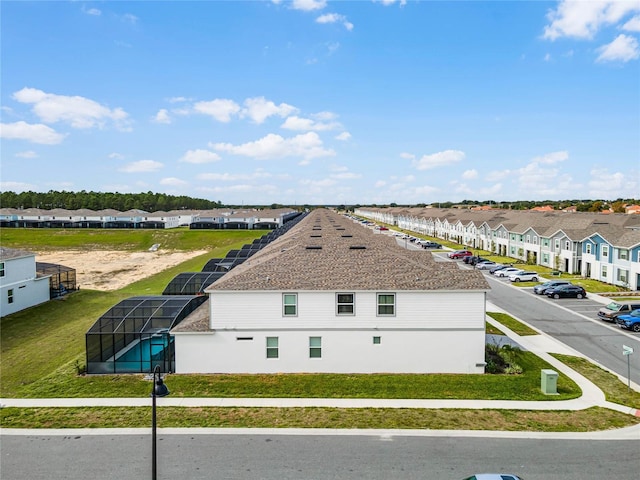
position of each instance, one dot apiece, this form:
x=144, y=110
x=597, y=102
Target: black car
x=566, y=291
x=426, y=244
x=498, y=267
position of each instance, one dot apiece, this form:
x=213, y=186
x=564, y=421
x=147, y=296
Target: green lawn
x=43, y=346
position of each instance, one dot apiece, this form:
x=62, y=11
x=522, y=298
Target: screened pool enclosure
x=133, y=336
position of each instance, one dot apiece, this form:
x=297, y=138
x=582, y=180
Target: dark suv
x=611, y=311
x=543, y=287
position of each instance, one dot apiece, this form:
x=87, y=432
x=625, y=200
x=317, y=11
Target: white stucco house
x=330, y=296
x=20, y=286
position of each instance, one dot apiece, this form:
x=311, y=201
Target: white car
x=486, y=265
x=505, y=272
x=524, y=276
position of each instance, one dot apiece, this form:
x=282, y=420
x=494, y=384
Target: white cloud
x=117, y=156
x=582, y=19
x=17, y=187
x=346, y=176
x=79, y=112
x=386, y=3
x=307, y=124
x=307, y=146
x=142, y=166
x=27, y=154
x=407, y=156
x=308, y=5
x=624, y=49
x=547, y=57
x=91, y=11
x=173, y=182
x=259, y=109
x=632, y=25
x=200, y=156
x=178, y=99
x=162, y=116
x=552, y=158
x=130, y=18
x=380, y=184
x=220, y=109
x=34, y=133
x=612, y=185
x=325, y=182
x=344, y=136
x=335, y=18
x=439, y=159
x=231, y=177
x=470, y=174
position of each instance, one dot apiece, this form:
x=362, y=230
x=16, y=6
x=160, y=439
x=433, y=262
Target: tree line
x=149, y=201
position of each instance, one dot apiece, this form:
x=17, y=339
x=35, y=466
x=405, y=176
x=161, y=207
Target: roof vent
x=347, y=236
x=316, y=236
x=357, y=247
x=314, y=247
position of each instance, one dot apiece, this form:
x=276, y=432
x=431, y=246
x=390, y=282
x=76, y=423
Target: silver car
x=524, y=276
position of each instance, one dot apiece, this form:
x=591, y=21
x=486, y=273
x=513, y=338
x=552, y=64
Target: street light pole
x=159, y=390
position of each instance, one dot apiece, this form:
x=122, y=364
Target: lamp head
x=160, y=389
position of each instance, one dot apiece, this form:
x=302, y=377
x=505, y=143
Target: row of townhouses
x=603, y=247
x=196, y=219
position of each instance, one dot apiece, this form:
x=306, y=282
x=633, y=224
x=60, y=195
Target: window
x=272, y=347
x=315, y=347
x=623, y=254
x=345, y=304
x=567, y=245
x=545, y=242
x=604, y=271
x=557, y=243
x=528, y=238
x=588, y=248
x=623, y=275
x=1, y=269
x=290, y=304
x=10, y=295
x=376, y=340
x=605, y=250
x=386, y=304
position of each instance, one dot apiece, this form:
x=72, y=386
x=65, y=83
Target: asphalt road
x=571, y=321
x=295, y=457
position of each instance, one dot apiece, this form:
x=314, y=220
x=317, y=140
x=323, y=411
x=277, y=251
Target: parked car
x=476, y=260
x=459, y=254
x=542, y=288
x=614, y=309
x=427, y=244
x=630, y=321
x=487, y=265
x=497, y=268
x=566, y=291
x=524, y=276
x=505, y=272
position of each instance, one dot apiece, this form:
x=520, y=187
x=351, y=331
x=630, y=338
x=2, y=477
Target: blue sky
x=323, y=102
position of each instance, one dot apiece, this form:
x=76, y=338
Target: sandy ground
x=110, y=270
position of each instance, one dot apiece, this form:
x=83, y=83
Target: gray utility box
x=549, y=382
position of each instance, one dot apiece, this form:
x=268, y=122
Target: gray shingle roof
x=327, y=251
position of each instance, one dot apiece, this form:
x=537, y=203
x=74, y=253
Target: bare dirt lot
x=111, y=269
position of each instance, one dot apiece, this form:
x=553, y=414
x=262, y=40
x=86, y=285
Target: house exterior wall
x=19, y=287
x=414, y=340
